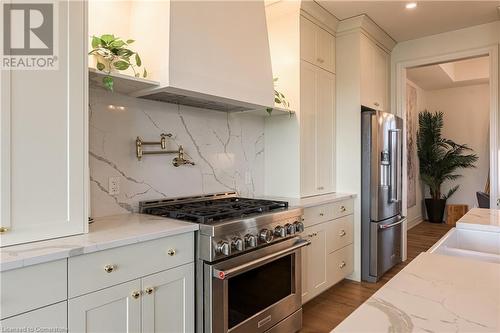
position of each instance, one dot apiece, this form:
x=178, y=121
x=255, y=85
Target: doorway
x=407, y=70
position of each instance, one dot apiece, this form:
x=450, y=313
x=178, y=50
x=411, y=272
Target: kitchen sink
x=472, y=244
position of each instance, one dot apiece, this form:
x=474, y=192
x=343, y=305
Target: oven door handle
x=227, y=273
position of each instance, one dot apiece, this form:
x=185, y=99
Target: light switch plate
x=114, y=185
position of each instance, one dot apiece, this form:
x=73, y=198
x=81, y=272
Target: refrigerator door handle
x=395, y=173
x=385, y=226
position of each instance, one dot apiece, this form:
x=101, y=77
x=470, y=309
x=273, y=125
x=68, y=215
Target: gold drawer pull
x=342, y=209
x=136, y=294
x=149, y=290
x=109, y=268
x=321, y=214
x=171, y=252
x=3, y=229
x=342, y=233
x=342, y=264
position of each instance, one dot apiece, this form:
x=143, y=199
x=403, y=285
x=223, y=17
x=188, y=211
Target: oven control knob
x=237, y=244
x=250, y=240
x=299, y=227
x=222, y=247
x=280, y=231
x=266, y=235
x=290, y=229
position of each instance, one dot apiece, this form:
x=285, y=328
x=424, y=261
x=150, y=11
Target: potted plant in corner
x=439, y=160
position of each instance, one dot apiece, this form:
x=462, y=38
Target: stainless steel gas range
x=248, y=261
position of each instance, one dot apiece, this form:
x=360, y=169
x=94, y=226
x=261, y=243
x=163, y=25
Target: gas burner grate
x=211, y=211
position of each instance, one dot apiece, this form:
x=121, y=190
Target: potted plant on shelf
x=439, y=160
x=279, y=99
x=113, y=54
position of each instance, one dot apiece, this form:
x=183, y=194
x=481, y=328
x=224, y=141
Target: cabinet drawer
x=340, y=264
x=339, y=233
x=103, y=269
x=32, y=287
x=52, y=317
x=327, y=212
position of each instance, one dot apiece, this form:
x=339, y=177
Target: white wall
x=414, y=213
x=225, y=147
x=466, y=121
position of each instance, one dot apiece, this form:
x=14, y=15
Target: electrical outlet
x=114, y=185
x=248, y=178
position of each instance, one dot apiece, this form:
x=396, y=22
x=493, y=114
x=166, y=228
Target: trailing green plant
x=114, y=53
x=279, y=99
x=440, y=158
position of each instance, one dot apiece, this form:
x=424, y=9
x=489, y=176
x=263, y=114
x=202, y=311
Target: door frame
x=400, y=87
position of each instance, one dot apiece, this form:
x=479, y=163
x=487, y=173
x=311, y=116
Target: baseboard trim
x=414, y=222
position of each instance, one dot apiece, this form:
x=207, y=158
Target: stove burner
x=215, y=210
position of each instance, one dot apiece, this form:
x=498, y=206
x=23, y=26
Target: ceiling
x=429, y=18
x=450, y=75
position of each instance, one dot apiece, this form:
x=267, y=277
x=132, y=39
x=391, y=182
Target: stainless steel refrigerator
x=381, y=187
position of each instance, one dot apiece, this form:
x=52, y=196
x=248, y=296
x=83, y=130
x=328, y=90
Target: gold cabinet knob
x=109, y=268
x=171, y=252
x=342, y=209
x=149, y=290
x=136, y=294
x=3, y=229
x=321, y=214
x=342, y=233
x=342, y=264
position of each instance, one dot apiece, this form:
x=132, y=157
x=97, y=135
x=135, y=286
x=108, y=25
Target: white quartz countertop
x=314, y=200
x=434, y=293
x=104, y=233
x=480, y=219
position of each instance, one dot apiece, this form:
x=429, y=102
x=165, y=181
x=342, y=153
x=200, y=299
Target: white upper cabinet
x=43, y=145
x=300, y=150
x=374, y=75
x=317, y=46
x=317, y=115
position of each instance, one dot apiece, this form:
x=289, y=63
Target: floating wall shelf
x=123, y=84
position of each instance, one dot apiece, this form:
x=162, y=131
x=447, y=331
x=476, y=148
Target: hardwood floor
x=327, y=310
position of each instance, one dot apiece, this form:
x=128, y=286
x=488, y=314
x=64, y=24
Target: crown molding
x=363, y=23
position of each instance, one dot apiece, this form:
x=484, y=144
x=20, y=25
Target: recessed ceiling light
x=411, y=5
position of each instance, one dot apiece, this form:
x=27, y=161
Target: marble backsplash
x=228, y=150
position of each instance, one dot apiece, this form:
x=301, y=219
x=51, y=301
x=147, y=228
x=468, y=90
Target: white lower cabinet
x=47, y=319
x=110, y=310
x=314, y=277
x=168, y=302
x=329, y=257
x=161, y=302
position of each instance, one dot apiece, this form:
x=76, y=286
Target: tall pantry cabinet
x=300, y=151
x=43, y=145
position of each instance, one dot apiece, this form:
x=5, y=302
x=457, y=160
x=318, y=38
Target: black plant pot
x=435, y=210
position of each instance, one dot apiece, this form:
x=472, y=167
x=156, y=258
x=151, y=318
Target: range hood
x=207, y=54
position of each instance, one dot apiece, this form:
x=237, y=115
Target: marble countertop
x=104, y=233
x=314, y=200
x=119, y=230
x=480, y=219
x=434, y=293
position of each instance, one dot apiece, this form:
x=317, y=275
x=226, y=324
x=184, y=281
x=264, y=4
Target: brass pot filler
x=177, y=161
